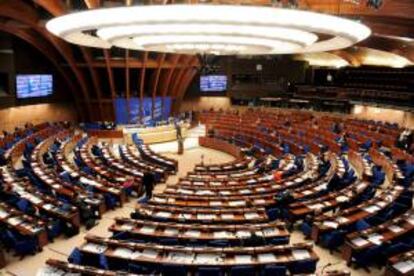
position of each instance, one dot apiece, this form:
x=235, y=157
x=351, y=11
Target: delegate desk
x=23, y=224
x=121, y=252
x=60, y=268
x=198, y=215
x=274, y=232
x=401, y=264
x=381, y=235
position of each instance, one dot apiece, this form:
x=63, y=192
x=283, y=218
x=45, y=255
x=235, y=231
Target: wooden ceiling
x=171, y=74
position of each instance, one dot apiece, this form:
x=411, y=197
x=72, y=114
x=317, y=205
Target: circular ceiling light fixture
x=209, y=29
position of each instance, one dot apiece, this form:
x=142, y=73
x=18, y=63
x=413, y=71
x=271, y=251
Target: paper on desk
x=192, y=233
x=375, y=238
x=251, y=215
x=359, y=242
x=243, y=259
x=372, y=209
x=395, y=228
x=123, y=253
x=404, y=267
x=266, y=257
x=208, y=258
x=148, y=229
x=94, y=248
x=163, y=214
x=330, y=224
x=227, y=216
x=300, y=254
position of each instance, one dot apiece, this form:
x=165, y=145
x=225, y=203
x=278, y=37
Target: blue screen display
x=121, y=110
x=33, y=86
x=213, y=83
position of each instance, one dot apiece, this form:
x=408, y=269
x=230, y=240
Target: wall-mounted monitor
x=34, y=86
x=213, y=83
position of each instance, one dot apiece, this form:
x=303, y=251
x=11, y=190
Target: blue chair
x=103, y=261
x=176, y=270
x=361, y=225
x=138, y=269
x=273, y=213
x=23, y=205
x=369, y=256
x=169, y=241
x=242, y=270
x=333, y=240
x=110, y=201
x=274, y=270
x=306, y=229
x=22, y=245
x=75, y=256
x=218, y=243
x=303, y=267
x=209, y=271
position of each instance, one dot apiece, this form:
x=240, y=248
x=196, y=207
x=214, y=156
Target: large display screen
x=213, y=83
x=34, y=86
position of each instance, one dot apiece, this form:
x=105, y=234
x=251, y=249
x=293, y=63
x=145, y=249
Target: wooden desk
x=401, y=264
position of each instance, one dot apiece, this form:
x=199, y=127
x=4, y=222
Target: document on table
x=181, y=257
x=208, y=258
x=192, y=233
x=227, y=216
x=372, y=209
x=163, y=214
x=206, y=216
x=223, y=234
x=404, y=267
x=237, y=203
x=14, y=221
x=215, y=203
x=395, y=228
x=359, y=242
x=171, y=231
x=123, y=252
x=251, y=215
x=330, y=224
x=243, y=259
x=149, y=253
x=3, y=214
x=342, y=198
x=316, y=206
x=94, y=248
x=266, y=257
x=243, y=234
x=148, y=229
x=127, y=226
x=270, y=232
x=375, y=238
x=300, y=254
x=259, y=201
x=342, y=219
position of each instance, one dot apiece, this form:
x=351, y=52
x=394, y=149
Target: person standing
x=148, y=181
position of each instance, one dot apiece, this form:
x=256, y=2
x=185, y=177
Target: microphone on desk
x=325, y=267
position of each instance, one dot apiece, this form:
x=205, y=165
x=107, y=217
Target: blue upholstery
x=75, y=256
x=306, y=229
x=176, y=270
x=22, y=245
x=303, y=267
x=103, y=262
x=23, y=205
x=369, y=256
x=273, y=213
x=242, y=270
x=209, y=271
x=274, y=270
x=333, y=240
x=361, y=225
